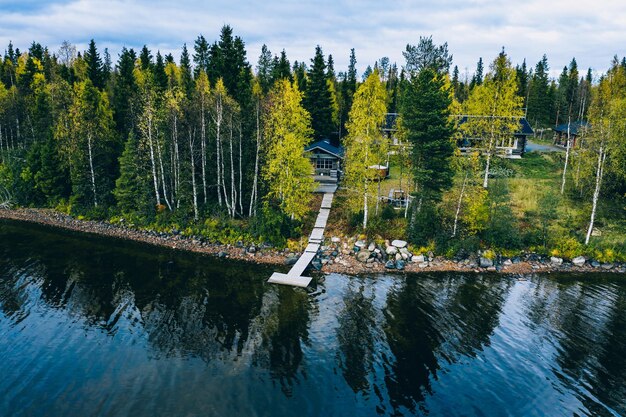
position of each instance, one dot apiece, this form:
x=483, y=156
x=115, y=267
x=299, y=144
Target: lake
x=100, y=327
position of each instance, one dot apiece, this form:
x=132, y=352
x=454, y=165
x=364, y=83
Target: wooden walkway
x=294, y=276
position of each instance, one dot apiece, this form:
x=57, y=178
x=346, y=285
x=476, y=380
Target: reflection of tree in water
x=610, y=375
x=207, y=312
x=435, y=319
x=284, y=330
x=191, y=306
x=589, y=326
x=473, y=310
x=356, y=333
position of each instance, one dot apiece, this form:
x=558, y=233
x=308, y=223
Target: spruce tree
x=160, y=78
x=317, y=99
x=539, y=95
x=124, y=91
x=426, y=123
x=145, y=58
x=95, y=68
x=132, y=188
x=281, y=68
x=185, y=72
x=265, y=68
x=201, y=55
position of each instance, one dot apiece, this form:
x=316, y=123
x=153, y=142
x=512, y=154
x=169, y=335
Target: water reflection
x=157, y=332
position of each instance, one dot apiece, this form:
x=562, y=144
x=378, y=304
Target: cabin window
x=324, y=164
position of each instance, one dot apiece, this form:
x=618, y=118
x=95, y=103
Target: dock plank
x=286, y=279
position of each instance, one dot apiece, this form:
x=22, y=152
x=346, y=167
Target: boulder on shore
x=418, y=258
x=556, y=261
x=485, y=262
x=579, y=261
x=363, y=255
x=390, y=265
x=399, y=243
x=391, y=250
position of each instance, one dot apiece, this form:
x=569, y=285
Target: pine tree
x=365, y=144
x=317, y=99
x=427, y=55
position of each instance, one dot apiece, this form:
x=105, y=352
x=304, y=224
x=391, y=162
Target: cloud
x=473, y=28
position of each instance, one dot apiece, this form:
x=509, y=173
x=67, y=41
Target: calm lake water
x=98, y=327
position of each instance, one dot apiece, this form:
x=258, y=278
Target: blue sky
x=590, y=31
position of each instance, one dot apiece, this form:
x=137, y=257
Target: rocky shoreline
x=338, y=255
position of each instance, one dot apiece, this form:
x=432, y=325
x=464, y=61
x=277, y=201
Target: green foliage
x=424, y=224
x=426, y=126
x=132, y=188
x=318, y=99
x=365, y=145
x=287, y=170
x=271, y=225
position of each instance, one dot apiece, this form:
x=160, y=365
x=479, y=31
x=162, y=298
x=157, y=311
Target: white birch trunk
x=253, y=195
x=93, y=174
x=567, y=149
x=176, y=162
x=203, y=148
x=152, y=162
x=218, y=146
x=458, y=206
x=240, y=171
x=365, y=206
x=193, y=177
x=160, y=157
x=596, y=192
x=233, y=191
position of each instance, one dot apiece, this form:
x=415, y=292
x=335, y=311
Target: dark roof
x=327, y=147
x=524, y=130
x=573, y=128
x=390, y=122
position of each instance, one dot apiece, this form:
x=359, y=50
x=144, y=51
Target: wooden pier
x=294, y=276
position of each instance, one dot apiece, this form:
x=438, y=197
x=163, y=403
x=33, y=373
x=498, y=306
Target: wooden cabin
x=575, y=130
x=512, y=147
x=327, y=160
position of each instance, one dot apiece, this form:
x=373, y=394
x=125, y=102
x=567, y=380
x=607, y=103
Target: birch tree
x=365, y=143
x=493, y=110
x=88, y=143
x=202, y=93
x=606, y=144
x=287, y=130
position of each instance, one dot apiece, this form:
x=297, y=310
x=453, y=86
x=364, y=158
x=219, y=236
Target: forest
x=214, y=145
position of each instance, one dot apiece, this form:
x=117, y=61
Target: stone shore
x=337, y=255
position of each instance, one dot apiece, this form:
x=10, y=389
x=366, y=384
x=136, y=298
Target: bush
x=566, y=247
x=273, y=226
x=424, y=225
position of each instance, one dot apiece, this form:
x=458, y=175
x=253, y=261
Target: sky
x=591, y=31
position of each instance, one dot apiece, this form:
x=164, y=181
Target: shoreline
x=342, y=263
